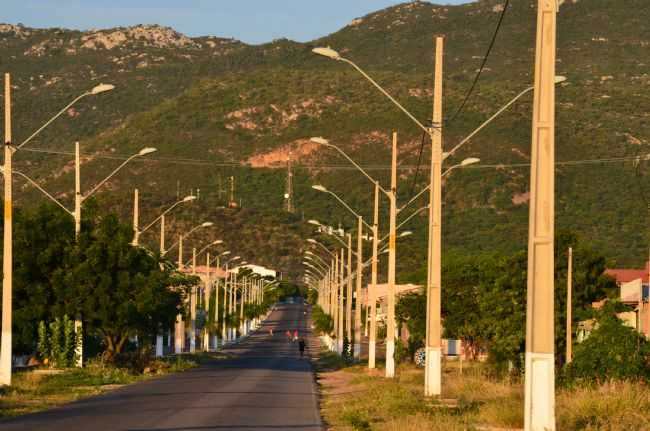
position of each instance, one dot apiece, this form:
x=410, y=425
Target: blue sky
x=252, y=21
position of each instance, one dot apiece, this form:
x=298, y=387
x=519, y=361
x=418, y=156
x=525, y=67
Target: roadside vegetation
x=41, y=389
x=605, y=386
x=355, y=399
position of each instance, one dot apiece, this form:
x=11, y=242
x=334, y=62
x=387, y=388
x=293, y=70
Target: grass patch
x=37, y=390
x=356, y=399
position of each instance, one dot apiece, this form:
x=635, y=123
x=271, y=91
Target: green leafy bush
x=612, y=351
x=323, y=323
x=57, y=346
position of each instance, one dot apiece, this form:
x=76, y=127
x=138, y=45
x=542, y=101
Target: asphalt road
x=264, y=386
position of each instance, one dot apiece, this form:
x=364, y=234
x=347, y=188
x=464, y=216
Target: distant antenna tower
x=288, y=193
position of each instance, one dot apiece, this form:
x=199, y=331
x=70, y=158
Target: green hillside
x=217, y=108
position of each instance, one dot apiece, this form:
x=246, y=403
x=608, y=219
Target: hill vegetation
x=217, y=108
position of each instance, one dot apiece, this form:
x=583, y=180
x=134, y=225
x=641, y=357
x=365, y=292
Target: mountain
x=217, y=108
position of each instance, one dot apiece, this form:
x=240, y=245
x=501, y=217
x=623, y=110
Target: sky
x=251, y=21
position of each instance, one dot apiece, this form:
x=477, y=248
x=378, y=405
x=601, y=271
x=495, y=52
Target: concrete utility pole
x=179, y=335
x=390, y=325
x=539, y=398
x=348, y=294
x=358, y=303
x=136, y=214
x=341, y=310
x=7, y=256
x=193, y=295
x=372, y=297
x=569, y=308
x=162, y=235
x=433, y=370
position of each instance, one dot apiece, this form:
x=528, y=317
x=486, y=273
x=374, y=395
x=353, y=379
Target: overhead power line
x=212, y=163
x=485, y=59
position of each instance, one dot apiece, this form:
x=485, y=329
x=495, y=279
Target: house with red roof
x=634, y=288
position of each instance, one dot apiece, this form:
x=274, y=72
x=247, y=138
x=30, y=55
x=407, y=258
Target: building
x=634, y=291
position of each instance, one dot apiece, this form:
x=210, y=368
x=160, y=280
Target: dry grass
x=355, y=399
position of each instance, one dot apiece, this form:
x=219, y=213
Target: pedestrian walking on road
x=295, y=335
x=301, y=347
x=288, y=334
x=271, y=332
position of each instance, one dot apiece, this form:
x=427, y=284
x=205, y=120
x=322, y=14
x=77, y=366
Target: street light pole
x=7, y=257
x=358, y=304
x=193, y=294
x=390, y=326
x=341, y=310
x=433, y=372
x=372, y=301
x=539, y=388
x=569, y=308
x=348, y=293
x=77, y=191
x=136, y=214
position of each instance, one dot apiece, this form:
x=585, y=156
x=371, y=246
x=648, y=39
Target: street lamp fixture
x=327, y=52
x=319, y=188
x=470, y=161
x=102, y=88
x=147, y=150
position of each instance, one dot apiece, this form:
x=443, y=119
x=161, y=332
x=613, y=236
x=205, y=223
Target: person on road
x=301, y=347
x=288, y=334
x=271, y=332
x=295, y=335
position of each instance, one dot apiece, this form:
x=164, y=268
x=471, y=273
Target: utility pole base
x=390, y=359
x=339, y=346
x=371, y=354
x=179, y=335
x=357, y=351
x=79, y=350
x=159, y=346
x=433, y=372
x=539, y=408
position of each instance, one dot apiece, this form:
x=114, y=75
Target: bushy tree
x=118, y=290
x=612, y=351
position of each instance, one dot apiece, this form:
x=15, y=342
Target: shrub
x=612, y=351
x=58, y=345
x=323, y=323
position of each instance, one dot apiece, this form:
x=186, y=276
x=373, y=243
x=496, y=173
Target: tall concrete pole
x=433, y=372
x=341, y=310
x=348, y=294
x=193, y=307
x=179, y=333
x=539, y=388
x=390, y=324
x=358, y=303
x=242, y=300
x=335, y=299
x=78, y=325
x=372, y=297
x=162, y=235
x=206, y=302
x=216, y=306
x=569, y=308
x=136, y=216
x=77, y=191
x=225, y=306
x=7, y=256
x=233, y=305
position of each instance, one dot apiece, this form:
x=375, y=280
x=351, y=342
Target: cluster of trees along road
x=118, y=290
